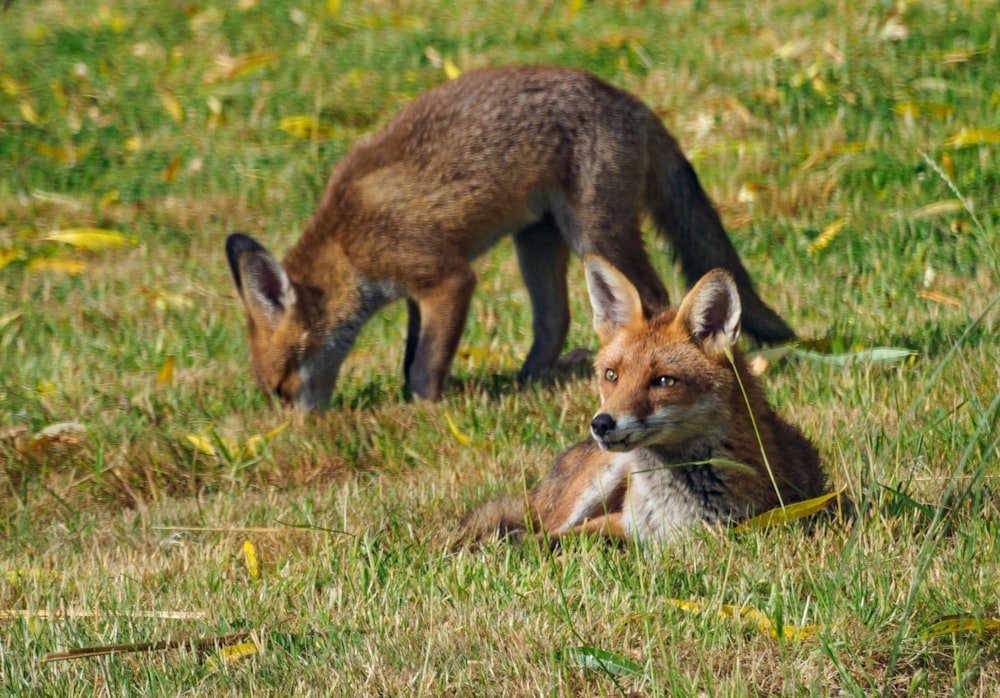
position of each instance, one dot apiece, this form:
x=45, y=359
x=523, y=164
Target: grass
x=151, y=120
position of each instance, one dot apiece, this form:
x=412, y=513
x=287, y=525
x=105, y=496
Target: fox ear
x=614, y=299
x=261, y=281
x=711, y=311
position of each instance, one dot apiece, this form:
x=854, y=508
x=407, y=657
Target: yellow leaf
x=253, y=565
x=8, y=256
x=63, y=153
x=748, y=613
x=165, y=299
x=202, y=443
x=29, y=113
x=824, y=239
x=950, y=625
x=974, y=136
x=333, y=7
x=133, y=144
x=255, y=443
x=938, y=297
x=10, y=317
x=908, y=109
x=172, y=168
x=937, y=208
x=305, y=127
x=9, y=86
x=459, y=436
x=231, y=653
x=66, y=266
x=229, y=67
x=46, y=388
x=450, y=69
x=166, y=374
x=172, y=106
x=789, y=512
x=89, y=238
x=14, y=576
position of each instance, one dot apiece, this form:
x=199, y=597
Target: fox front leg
x=440, y=313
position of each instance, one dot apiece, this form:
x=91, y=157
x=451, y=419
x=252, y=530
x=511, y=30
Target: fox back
x=684, y=434
x=554, y=157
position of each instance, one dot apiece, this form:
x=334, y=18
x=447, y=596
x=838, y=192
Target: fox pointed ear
x=260, y=279
x=711, y=311
x=614, y=299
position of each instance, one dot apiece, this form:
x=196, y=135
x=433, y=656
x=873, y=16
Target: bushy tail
x=502, y=518
x=682, y=211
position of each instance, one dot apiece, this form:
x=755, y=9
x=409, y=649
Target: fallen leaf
x=824, y=239
x=974, y=136
x=253, y=564
x=90, y=239
x=950, y=625
x=758, y=618
x=172, y=106
x=66, y=266
x=230, y=67
x=305, y=127
x=8, y=256
x=787, y=513
x=8, y=318
x=459, y=436
x=939, y=297
x=166, y=373
x=172, y=168
x=450, y=69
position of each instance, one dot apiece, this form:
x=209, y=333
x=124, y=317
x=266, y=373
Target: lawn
x=151, y=494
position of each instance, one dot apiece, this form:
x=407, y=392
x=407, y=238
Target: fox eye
x=610, y=375
x=665, y=382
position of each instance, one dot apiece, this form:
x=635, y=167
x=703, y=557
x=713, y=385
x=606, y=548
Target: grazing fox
x=555, y=157
x=675, y=442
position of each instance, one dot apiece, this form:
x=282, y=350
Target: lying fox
x=553, y=156
x=674, y=441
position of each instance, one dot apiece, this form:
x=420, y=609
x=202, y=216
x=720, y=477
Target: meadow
x=150, y=493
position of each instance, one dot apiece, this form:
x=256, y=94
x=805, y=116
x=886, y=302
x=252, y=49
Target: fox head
x=291, y=354
x=666, y=380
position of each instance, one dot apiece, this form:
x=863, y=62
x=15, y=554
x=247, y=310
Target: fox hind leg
x=543, y=257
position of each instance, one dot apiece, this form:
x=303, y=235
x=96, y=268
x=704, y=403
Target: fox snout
x=602, y=424
x=602, y=428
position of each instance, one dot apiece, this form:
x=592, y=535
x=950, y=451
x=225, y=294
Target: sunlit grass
x=851, y=149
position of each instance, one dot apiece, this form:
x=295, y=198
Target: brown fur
x=553, y=156
x=672, y=422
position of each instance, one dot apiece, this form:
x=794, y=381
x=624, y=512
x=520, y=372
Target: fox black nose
x=602, y=424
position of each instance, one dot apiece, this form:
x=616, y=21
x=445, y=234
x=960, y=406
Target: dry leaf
x=789, y=512
x=172, y=168
x=89, y=238
x=824, y=239
x=66, y=266
x=459, y=436
x=253, y=564
x=166, y=373
x=974, y=136
x=305, y=127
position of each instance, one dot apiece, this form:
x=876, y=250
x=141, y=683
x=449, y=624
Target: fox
x=683, y=437
x=554, y=157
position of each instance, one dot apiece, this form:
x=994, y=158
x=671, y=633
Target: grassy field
x=853, y=151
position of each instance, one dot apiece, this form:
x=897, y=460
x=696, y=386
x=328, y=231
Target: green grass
x=796, y=115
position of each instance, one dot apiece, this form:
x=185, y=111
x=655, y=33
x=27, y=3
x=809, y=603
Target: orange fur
x=673, y=422
x=555, y=157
